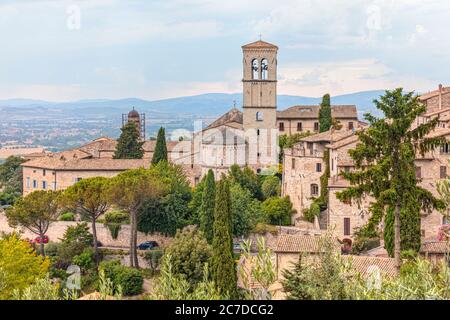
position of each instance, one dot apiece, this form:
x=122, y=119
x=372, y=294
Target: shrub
x=51, y=249
x=84, y=260
x=153, y=258
x=312, y=212
x=189, y=251
x=271, y=187
x=262, y=229
x=79, y=234
x=278, y=211
x=117, y=217
x=129, y=279
x=66, y=252
x=68, y=216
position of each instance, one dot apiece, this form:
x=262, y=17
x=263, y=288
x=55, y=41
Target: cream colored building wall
x=433, y=103
x=290, y=125
x=297, y=180
x=338, y=211
x=63, y=179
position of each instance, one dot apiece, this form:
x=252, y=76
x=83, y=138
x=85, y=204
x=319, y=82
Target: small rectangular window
x=35, y=184
x=318, y=167
x=299, y=126
x=316, y=126
x=281, y=126
x=44, y=172
x=28, y=182
x=350, y=126
x=44, y=185
x=443, y=173
x=293, y=163
x=347, y=227
x=418, y=172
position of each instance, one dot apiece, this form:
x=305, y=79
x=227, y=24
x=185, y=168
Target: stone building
x=246, y=138
x=301, y=177
x=300, y=119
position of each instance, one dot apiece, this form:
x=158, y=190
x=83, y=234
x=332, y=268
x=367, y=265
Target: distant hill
x=205, y=105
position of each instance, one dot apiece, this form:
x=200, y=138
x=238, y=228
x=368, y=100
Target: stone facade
x=344, y=218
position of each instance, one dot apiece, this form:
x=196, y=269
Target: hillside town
x=257, y=189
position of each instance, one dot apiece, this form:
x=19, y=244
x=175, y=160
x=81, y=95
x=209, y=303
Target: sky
x=61, y=50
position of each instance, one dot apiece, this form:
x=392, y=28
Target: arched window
x=314, y=190
x=255, y=69
x=259, y=116
x=264, y=69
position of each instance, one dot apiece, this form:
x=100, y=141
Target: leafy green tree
x=196, y=202
x=171, y=211
x=247, y=179
x=207, y=207
x=278, y=211
x=190, y=252
x=129, y=191
x=129, y=145
x=90, y=197
x=271, y=187
x=36, y=212
x=325, y=120
x=20, y=264
x=160, y=148
x=385, y=168
x=245, y=211
x=11, y=180
x=222, y=263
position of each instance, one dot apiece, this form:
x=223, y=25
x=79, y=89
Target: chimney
x=440, y=96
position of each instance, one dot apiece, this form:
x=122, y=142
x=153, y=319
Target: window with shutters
x=299, y=126
x=316, y=126
x=314, y=190
x=318, y=167
x=346, y=226
x=281, y=126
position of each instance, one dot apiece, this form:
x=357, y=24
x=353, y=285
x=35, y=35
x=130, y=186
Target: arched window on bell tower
x=259, y=116
x=255, y=69
x=264, y=69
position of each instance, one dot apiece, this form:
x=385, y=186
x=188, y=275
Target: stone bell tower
x=260, y=102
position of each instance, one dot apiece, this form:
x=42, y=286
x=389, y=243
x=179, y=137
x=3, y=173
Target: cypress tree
x=325, y=120
x=207, y=207
x=129, y=145
x=222, y=262
x=160, y=148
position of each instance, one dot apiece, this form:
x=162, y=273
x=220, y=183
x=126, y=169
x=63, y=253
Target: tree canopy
x=160, y=148
x=325, y=119
x=385, y=169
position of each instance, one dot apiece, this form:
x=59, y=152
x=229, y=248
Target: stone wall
x=57, y=229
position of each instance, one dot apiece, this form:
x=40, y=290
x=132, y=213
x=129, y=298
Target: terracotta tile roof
x=92, y=164
x=435, y=247
x=434, y=93
x=343, y=142
x=365, y=265
x=232, y=116
x=430, y=114
x=312, y=112
x=299, y=244
x=327, y=136
x=439, y=132
x=260, y=44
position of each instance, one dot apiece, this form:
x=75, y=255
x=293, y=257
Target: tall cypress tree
x=325, y=120
x=129, y=145
x=208, y=206
x=160, y=148
x=385, y=170
x=222, y=262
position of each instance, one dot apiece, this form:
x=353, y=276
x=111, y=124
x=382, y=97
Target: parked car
x=237, y=247
x=38, y=239
x=148, y=245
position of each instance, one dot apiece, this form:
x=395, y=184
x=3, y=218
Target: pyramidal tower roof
x=259, y=45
